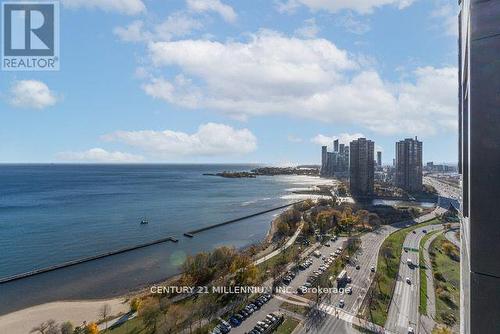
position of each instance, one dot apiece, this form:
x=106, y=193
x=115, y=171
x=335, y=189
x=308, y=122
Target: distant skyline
x=220, y=81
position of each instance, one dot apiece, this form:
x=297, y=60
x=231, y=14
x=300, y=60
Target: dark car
x=244, y=313
x=357, y=267
x=234, y=321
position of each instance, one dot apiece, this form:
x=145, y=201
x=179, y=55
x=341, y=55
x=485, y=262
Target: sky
x=226, y=81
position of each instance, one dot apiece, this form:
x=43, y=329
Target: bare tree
x=47, y=327
x=104, y=313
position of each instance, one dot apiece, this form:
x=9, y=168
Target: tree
x=135, y=304
x=67, y=328
x=176, y=314
x=47, y=327
x=92, y=328
x=442, y=330
x=41, y=328
x=149, y=313
x=104, y=313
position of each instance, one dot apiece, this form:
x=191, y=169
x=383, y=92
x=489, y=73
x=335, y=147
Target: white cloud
x=31, y=94
x=334, y=6
x=294, y=139
x=225, y=11
x=98, y=155
x=353, y=24
x=344, y=138
x=210, y=139
x=175, y=25
x=309, y=30
x=446, y=17
x=306, y=78
x=128, y=7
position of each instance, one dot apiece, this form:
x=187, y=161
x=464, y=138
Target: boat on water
x=144, y=222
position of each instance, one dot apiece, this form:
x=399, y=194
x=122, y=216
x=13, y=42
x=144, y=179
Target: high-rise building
x=361, y=167
x=409, y=164
x=479, y=156
x=324, y=161
x=379, y=159
x=336, y=145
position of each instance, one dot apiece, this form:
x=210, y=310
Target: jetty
x=83, y=260
x=191, y=234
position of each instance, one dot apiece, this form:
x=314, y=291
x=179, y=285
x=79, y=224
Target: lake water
x=55, y=213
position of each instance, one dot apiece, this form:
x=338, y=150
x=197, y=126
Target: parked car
x=341, y=303
x=408, y=280
x=357, y=267
x=234, y=321
x=348, y=290
x=372, y=269
x=270, y=317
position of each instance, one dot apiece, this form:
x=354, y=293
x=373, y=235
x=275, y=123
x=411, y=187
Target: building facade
x=379, y=159
x=336, y=163
x=361, y=167
x=408, y=174
x=479, y=162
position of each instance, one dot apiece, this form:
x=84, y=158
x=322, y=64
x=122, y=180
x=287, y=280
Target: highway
x=403, y=311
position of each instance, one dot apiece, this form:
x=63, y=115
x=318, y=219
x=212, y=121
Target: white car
x=410, y=330
x=408, y=280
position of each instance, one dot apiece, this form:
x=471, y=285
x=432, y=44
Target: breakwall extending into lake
x=83, y=260
x=209, y=227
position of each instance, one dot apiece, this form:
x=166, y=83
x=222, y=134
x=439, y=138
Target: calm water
x=54, y=213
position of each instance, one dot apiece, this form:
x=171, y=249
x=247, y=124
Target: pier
x=191, y=234
x=83, y=260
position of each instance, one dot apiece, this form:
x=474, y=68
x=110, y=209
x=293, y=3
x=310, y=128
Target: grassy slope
x=450, y=270
x=287, y=326
x=423, y=278
x=387, y=270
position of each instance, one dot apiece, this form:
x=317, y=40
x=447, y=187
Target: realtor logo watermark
x=30, y=36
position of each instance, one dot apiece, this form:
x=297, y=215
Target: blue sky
x=236, y=81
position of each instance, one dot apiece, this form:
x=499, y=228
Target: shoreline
x=78, y=308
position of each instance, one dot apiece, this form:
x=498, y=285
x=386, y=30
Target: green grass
x=446, y=272
x=387, y=270
x=287, y=326
x=299, y=309
x=423, y=278
x=133, y=326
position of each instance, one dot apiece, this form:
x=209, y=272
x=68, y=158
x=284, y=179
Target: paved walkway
x=282, y=248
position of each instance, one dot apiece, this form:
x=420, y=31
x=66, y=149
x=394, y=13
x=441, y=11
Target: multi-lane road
x=403, y=312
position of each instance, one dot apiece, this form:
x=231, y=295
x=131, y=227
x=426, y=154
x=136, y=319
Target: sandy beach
x=21, y=322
